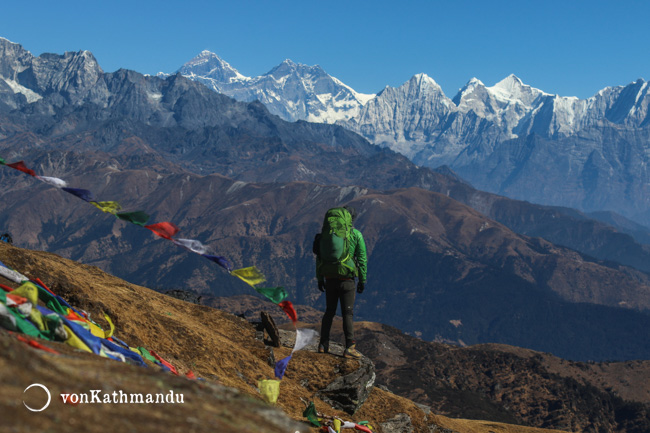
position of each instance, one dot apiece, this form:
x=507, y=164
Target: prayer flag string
x=167, y=230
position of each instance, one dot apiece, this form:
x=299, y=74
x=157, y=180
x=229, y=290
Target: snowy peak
x=512, y=89
x=288, y=67
x=207, y=64
x=291, y=90
x=473, y=90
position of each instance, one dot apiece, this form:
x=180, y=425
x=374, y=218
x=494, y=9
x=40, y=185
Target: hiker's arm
x=360, y=256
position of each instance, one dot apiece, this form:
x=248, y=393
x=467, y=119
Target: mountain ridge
x=513, y=139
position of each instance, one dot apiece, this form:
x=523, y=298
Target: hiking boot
x=323, y=349
x=352, y=352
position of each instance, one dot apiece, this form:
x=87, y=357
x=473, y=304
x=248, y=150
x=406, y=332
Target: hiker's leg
x=348, y=292
x=332, y=300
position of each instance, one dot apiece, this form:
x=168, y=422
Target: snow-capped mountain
x=291, y=90
x=510, y=138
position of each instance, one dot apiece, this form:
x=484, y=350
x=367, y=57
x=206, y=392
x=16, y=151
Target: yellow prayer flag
x=75, y=341
x=337, y=425
x=270, y=390
x=95, y=330
x=108, y=334
x=112, y=207
x=249, y=275
x=28, y=290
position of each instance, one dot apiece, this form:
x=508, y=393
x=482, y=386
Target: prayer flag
x=311, y=415
x=35, y=344
x=20, y=166
x=147, y=355
x=111, y=207
x=281, y=366
x=2, y=162
x=275, y=294
x=287, y=306
x=7, y=320
x=270, y=390
x=192, y=245
x=304, y=337
x=165, y=363
x=12, y=275
x=221, y=261
x=337, y=425
x=138, y=217
x=83, y=194
x=362, y=428
x=164, y=229
x=74, y=341
x=249, y=275
x=126, y=353
x=54, y=181
x=109, y=334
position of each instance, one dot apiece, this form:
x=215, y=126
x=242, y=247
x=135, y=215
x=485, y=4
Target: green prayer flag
x=22, y=324
x=145, y=353
x=250, y=275
x=112, y=207
x=275, y=294
x=51, y=302
x=138, y=217
x=2, y=161
x=311, y=415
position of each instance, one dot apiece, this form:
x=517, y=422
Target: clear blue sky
x=572, y=48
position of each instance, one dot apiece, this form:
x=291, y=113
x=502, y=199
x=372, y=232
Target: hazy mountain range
x=254, y=188
x=510, y=138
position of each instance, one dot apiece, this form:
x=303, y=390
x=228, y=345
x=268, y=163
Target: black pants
x=345, y=291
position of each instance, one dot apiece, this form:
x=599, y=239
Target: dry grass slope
x=213, y=344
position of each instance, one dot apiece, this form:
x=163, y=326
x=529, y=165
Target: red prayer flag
x=20, y=166
x=35, y=344
x=163, y=362
x=287, y=306
x=42, y=284
x=164, y=230
x=190, y=375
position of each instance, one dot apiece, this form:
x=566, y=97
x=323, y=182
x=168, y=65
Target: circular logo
x=49, y=397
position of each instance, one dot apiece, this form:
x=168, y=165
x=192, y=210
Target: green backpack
x=333, y=245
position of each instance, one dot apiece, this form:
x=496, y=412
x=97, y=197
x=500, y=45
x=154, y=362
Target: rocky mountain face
x=290, y=90
x=521, y=142
x=510, y=138
x=165, y=145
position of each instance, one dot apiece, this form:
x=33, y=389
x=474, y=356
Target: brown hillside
x=215, y=345
x=494, y=381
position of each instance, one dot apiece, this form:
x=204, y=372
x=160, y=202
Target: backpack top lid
x=337, y=221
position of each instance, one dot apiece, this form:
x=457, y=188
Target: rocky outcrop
x=348, y=393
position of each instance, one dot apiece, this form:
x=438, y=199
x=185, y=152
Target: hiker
x=340, y=257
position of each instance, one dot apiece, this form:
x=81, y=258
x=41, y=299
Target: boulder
x=349, y=392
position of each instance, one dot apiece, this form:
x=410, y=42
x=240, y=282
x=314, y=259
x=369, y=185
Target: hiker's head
x=352, y=211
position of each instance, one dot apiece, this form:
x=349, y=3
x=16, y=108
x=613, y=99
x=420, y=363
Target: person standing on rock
x=340, y=258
